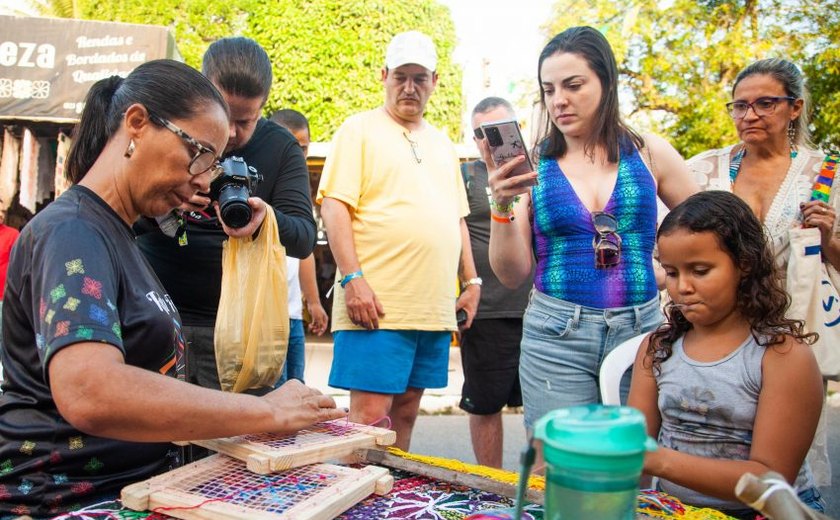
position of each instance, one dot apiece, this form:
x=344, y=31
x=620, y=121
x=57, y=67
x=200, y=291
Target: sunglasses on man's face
x=606, y=242
x=479, y=133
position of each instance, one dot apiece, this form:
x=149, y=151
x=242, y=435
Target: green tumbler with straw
x=594, y=456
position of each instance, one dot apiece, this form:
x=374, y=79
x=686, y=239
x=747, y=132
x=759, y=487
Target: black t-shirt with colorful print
x=76, y=275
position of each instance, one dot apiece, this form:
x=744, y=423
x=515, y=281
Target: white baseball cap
x=411, y=47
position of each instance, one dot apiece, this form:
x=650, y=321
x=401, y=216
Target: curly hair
x=761, y=300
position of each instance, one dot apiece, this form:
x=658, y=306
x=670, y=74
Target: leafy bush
x=326, y=54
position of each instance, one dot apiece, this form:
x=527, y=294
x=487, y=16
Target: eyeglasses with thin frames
x=607, y=242
x=415, y=149
x=763, y=106
x=204, y=159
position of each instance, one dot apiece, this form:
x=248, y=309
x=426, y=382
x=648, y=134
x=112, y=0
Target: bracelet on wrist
x=503, y=209
x=472, y=281
x=349, y=277
x=502, y=219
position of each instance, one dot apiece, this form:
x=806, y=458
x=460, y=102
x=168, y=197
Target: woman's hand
x=820, y=215
x=297, y=406
x=259, y=208
x=503, y=186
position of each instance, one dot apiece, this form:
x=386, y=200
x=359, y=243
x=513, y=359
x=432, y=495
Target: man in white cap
x=393, y=201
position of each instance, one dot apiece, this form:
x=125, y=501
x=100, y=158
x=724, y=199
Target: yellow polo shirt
x=405, y=218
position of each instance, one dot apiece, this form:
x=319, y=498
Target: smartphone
x=506, y=143
x=461, y=317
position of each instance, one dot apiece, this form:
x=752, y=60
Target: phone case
x=505, y=143
x=461, y=316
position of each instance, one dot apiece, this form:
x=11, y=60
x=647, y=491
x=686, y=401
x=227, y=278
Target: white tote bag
x=814, y=297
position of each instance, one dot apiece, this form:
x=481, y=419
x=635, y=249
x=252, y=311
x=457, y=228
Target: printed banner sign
x=47, y=65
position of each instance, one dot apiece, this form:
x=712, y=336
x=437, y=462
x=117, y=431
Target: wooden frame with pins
x=221, y=488
x=267, y=453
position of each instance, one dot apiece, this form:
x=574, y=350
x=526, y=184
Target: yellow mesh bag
x=252, y=324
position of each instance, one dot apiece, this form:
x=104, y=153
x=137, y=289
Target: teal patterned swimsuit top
x=563, y=237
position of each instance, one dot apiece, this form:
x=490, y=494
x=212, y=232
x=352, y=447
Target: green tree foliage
x=196, y=23
x=679, y=58
x=327, y=54
x=57, y=8
x=823, y=72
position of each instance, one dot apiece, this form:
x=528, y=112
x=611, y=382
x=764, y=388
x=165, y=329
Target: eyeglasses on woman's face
x=763, y=106
x=607, y=242
x=204, y=160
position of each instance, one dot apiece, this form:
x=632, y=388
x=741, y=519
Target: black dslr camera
x=232, y=189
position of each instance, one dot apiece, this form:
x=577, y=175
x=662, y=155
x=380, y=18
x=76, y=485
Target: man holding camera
x=190, y=264
x=393, y=202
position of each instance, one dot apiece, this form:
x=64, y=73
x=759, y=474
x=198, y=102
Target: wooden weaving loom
x=492, y=480
x=222, y=488
x=242, y=482
x=269, y=453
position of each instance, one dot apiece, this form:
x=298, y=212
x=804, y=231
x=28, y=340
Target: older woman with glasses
x=773, y=169
x=90, y=335
x=588, y=217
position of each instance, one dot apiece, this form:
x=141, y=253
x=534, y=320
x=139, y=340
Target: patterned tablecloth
x=416, y=497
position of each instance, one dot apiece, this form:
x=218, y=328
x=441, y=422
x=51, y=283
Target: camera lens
x=494, y=137
x=232, y=190
x=233, y=205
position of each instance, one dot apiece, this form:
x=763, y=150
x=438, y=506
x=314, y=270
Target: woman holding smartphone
x=588, y=217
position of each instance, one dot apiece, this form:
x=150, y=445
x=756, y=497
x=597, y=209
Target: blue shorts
x=390, y=361
x=563, y=345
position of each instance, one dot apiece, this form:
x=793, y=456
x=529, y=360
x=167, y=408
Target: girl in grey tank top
x=728, y=385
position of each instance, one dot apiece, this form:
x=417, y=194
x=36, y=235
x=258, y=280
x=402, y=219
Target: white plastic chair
x=613, y=367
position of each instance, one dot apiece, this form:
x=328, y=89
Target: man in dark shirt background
x=490, y=348
x=192, y=273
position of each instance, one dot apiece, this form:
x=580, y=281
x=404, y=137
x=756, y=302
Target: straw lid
x=595, y=430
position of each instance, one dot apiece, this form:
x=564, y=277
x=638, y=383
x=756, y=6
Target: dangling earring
x=791, y=133
x=129, y=151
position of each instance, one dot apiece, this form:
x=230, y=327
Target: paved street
x=442, y=433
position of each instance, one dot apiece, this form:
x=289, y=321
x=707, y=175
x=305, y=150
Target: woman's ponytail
x=94, y=129
x=167, y=88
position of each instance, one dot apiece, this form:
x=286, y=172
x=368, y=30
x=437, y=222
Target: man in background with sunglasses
x=191, y=269
x=490, y=348
x=393, y=202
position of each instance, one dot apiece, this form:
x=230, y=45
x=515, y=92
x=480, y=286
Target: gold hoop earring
x=129, y=151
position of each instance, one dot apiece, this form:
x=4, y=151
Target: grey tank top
x=708, y=409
